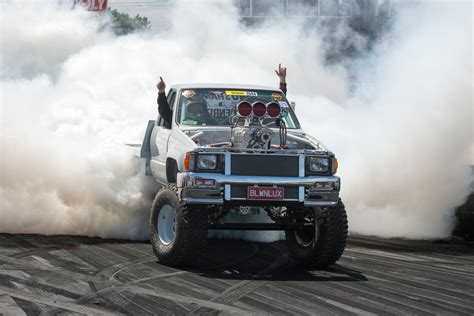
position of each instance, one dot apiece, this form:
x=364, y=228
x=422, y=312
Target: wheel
x=178, y=231
x=320, y=245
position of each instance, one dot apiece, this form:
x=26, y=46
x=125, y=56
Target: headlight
x=206, y=162
x=318, y=164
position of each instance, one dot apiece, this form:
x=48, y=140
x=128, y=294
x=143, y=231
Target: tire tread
x=331, y=242
x=334, y=236
x=192, y=240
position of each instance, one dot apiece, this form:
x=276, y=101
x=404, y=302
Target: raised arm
x=281, y=73
x=163, y=106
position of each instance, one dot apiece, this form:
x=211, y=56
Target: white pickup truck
x=240, y=148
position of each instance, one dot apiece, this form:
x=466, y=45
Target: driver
x=196, y=111
x=199, y=111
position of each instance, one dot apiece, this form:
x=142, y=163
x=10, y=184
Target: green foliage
x=123, y=24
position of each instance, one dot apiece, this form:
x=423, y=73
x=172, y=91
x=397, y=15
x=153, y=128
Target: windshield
x=216, y=107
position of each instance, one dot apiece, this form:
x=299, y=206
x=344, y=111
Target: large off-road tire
x=178, y=231
x=323, y=246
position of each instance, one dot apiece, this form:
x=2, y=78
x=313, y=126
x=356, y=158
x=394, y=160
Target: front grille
x=240, y=192
x=264, y=165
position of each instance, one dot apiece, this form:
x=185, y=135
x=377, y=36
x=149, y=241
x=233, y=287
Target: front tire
x=178, y=231
x=321, y=245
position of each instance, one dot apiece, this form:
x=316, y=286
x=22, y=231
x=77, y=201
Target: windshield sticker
x=277, y=96
x=228, y=98
x=241, y=93
x=221, y=106
x=283, y=104
x=217, y=92
x=189, y=122
x=189, y=93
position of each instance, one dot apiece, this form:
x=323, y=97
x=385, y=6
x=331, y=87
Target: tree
x=123, y=24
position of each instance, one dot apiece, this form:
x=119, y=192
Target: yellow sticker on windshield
x=233, y=92
x=241, y=93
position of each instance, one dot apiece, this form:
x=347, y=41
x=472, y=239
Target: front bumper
x=308, y=193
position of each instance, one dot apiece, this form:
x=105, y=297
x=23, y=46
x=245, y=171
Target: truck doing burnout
x=240, y=148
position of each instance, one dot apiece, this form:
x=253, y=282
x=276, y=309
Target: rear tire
x=323, y=246
x=178, y=231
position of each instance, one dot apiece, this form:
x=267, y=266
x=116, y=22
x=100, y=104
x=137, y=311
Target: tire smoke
x=72, y=94
x=404, y=140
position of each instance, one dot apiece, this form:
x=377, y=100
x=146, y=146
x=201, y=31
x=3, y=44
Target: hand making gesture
x=161, y=85
x=281, y=73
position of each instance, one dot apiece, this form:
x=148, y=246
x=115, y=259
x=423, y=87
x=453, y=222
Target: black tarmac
x=79, y=275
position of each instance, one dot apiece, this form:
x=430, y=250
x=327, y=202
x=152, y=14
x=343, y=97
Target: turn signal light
x=335, y=165
x=188, y=162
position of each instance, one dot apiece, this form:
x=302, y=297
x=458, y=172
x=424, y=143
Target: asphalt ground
x=79, y=275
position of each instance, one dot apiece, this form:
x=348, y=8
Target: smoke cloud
x=72, y=93
x=404, y=140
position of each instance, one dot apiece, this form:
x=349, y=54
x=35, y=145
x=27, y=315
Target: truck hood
x=212, y=136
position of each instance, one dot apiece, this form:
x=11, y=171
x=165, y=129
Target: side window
x=171, y=97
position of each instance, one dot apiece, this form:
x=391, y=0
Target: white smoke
x=63, y=167
x=404, y=150
x=71, y=95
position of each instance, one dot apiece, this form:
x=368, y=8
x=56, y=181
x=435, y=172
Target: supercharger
x=252, y=134
x=255, y=136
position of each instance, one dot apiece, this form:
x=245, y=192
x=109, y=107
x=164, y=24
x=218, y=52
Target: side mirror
x=293, y=105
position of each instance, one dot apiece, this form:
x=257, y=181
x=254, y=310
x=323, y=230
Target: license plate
x=265, y=193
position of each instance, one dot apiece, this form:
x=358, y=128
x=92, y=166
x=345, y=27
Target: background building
x=309, y=8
